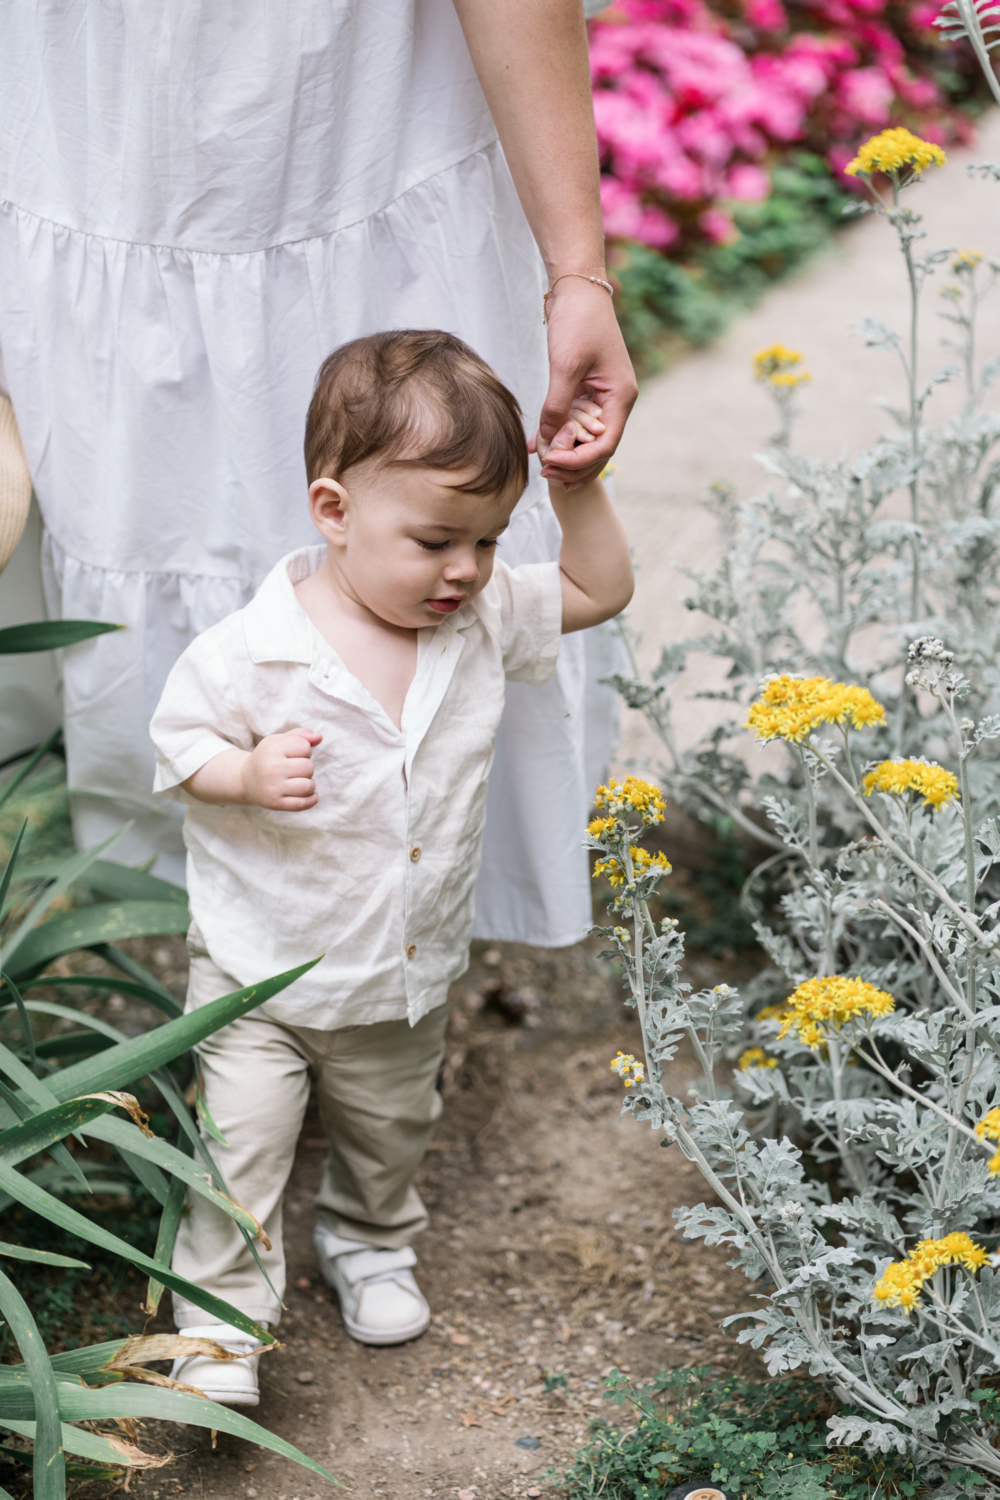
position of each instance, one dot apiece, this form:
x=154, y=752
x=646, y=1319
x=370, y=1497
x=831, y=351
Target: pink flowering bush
x=697, y=100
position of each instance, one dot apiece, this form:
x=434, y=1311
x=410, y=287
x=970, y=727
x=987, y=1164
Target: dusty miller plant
x=853, y=1151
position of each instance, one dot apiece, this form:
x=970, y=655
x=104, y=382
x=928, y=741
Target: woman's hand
x=587, y=358
x=582, y=426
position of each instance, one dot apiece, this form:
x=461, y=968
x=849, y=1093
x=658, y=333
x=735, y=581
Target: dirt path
x=552, y=1256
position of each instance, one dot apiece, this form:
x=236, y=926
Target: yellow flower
x=642, y=863
x=790, y=708
x=989, y=1129
x=819, y=1003
x=772, y=1012
x=630, y=1071
x=966, y=260
x=895, y=151
x=631, y=795
x=902, y=1280
x=756, y=1057
x=897, y=777
x=776, y=365
x=600, y=826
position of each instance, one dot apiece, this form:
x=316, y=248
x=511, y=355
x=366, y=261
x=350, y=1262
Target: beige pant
x=378, y=1105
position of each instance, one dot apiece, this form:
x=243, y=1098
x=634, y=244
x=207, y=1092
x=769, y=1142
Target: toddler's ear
x=329, y=503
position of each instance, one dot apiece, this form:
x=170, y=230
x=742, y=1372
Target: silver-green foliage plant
x=70, y=1090
x=852, y=1152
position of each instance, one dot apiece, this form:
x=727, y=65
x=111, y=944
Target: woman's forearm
x=531, y=59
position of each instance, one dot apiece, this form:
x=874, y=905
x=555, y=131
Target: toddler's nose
x=462, y=569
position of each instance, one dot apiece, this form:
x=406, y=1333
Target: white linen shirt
x=379, y=876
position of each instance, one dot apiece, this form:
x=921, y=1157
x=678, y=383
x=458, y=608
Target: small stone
x=251, y=1493
x=460, y=1338
x=528, y=1443
x=305, y=1377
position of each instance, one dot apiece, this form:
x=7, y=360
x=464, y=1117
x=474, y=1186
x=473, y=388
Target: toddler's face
x=407, y=543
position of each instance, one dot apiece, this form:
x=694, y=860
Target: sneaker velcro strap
x=369, y=1265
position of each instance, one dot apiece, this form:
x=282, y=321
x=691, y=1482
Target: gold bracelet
x=597, y=280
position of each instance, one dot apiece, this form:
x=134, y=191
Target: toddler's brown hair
x=416, y=397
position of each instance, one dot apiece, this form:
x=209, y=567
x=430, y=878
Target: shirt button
x=411, y=950
x=415, y=853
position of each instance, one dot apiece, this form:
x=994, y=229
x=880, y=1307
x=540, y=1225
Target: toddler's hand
x=583, y=425
x=278, y=773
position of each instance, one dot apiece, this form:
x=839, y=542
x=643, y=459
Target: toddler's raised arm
x=594, y=561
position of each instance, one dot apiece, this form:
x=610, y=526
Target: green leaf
x=107, y=922
x=49, y=1464
x=120, y=882
x=38, y=1132
x=50, y=635
x=43, y=1257
x=8, y=871
x=166, y=1235
x=22, y=1015
x=77, y=1440
x=30, y=1195
x=12, y=785
x=72, y=868
x=80, y=1404
x=124, y=1136
x=159, y=997
x=138, y=1056
x=73, y=1044
x=41, y=1097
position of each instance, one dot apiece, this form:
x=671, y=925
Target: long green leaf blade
x=49, y=1466
x=76, y=1440
x=8, y=871
x=120, y=882
x=39, y=1201
x=166, y=1235
x=161, y=999
x=79, y=1404
x=38, y=1132
x=11, y=786
x=108, y=922
x=43, y=1257
x=50, y=635
x=71, y=869
x=135, y=1058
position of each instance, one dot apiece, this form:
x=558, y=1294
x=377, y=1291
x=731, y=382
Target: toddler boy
x=332, y=741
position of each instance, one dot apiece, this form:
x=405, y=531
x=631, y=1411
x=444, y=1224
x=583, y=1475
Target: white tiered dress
x=198, y=201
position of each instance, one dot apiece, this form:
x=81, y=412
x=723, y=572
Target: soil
x=552, y=1257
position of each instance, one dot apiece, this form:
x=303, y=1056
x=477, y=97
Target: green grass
x=757, y=1442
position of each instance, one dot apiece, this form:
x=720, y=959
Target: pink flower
x=747, y=183
x=717, y=226
x=866, y=95
x=766, y=15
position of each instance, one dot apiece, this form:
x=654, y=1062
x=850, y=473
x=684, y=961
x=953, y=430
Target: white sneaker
x=232, y=1382
x=380, y=1301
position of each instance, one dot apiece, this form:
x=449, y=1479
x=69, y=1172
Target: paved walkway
x=705, y=419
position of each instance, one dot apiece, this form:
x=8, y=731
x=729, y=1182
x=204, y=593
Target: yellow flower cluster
x=630, y=795
x=790, y=708
x=989, y=1129
x=772, y=1012
x=642, y=863
x=600, y=826
x=819, y=1003
x=902, y=1280
x=895, y=151
x=966, y=260
x=777, y=365
x=756, y=1057
x=897, y=777
x=628, y=1069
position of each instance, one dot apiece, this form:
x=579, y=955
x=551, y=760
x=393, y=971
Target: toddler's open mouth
x=446, y=606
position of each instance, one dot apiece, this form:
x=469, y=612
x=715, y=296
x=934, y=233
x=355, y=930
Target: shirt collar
x=276, y=626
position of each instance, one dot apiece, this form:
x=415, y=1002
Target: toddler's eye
x=432, y=546
x=489, y=541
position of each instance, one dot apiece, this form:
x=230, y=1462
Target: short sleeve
x=531, y=619
x=198, y=715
